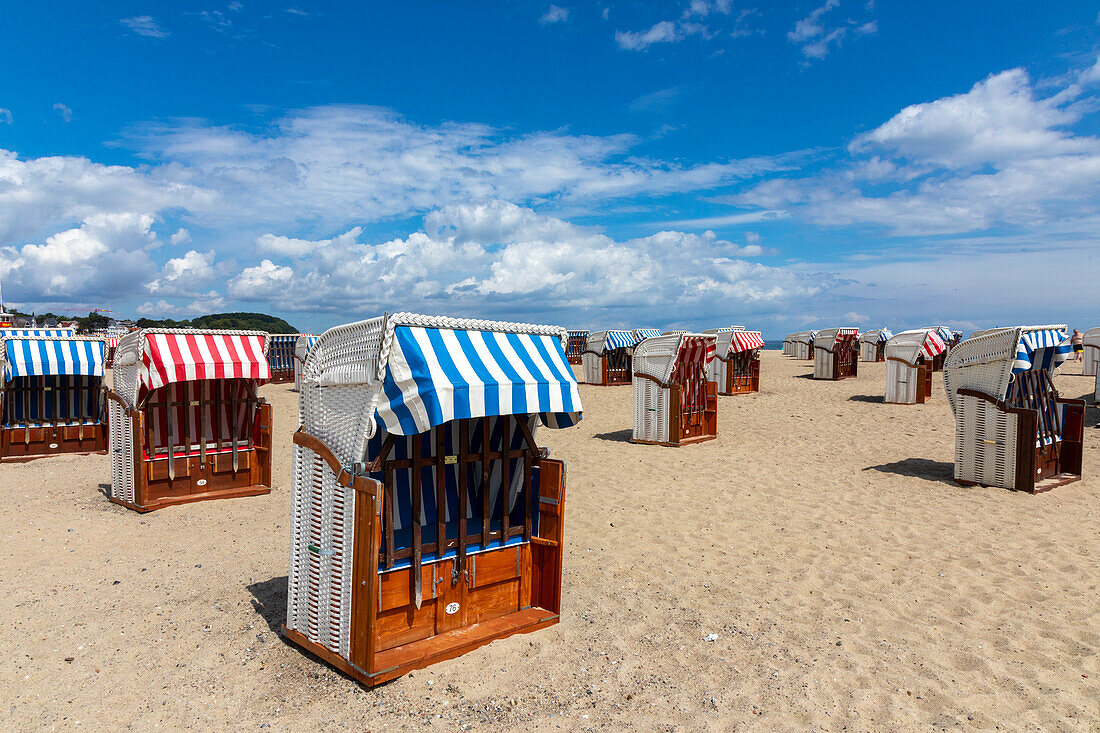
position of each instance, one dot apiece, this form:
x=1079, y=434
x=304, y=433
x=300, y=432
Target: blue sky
x=784, y=166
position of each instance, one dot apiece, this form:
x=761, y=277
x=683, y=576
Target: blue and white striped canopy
x=29, y=357
x=646, y=333
x=1044, y=349
x=36, y=332
x=619, y=340
x=435, y=375
x=885, y=335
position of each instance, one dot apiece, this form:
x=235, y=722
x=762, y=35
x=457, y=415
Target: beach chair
x=606, y=358
x=909, y=357
x=802, y=345
x=302, y=346
x=51, y=399
x=949, y=338
x=280, y=356
x=788, y=344
x=736, y=364
x=1090, y=342
x=674, y=402
x=836, y=353
x=574, y=346
x=872, y=344
x=426, y=520
x=186, y=421
x=1012, y=429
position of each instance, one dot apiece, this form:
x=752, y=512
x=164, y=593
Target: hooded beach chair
x=606, y=357
x=1090, y=341
x=802, y=345
x=1012, y=429
x=836, y=353
x=426, y=520
x=187, y=423
x=736, y=364
x=674, y=402
x=872, y=344
x=574, y=346
x=280, y=356
x=909, y=357
x=51, y=398
x=302, y=346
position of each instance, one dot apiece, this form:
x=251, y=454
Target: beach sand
x=851, y=585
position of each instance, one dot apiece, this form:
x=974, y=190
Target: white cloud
x=816, y=38
x=182, y=236
x=5, y=116
x=184, y=276
x=655, y=101
x=555, y=14
x=64, y=110
x=265, y=281
x=144, y=25
x=811, y=27
x=102, y=258
x=665, y=31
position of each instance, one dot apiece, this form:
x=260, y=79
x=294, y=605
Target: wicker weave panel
x=983, y=364
x=591, y=365
x=651, y=411
x=120, y=442
x=985, y=443
x=823, y=363
x=901, y=383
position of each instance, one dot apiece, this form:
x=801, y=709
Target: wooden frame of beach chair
x=1090, y=342
x=606, y=359
x=1012, y=429
x=735, y=368
x=675, y=404
x=51, y=397
x=302, y=346
x=872, y=344
x=909, y=356
x=187, y=423
x=373, y=592
x=575, y=346
x=836, y=353
x=280, y=356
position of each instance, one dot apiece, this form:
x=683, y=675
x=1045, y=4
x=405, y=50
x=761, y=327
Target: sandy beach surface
x=843, y=580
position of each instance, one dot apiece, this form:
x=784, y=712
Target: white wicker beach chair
x=606, y=357
x=802, y=345
x=425, y=520
x=872, y=344
x=674, y=402
x=909, y=357
x=1090, y=341
x=736, y=364
x=51, y=396
x=1012, y=429
x=302, y=346
x=836, y=353
x=186, y=421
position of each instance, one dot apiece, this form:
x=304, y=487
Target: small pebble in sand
x=710, y=637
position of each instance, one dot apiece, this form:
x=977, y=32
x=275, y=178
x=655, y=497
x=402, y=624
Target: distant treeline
x=238, y=321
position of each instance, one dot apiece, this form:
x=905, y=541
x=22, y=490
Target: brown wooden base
x=392, y=663
x=162, y=502
x=18, y=444
x=743, y=391
x=1051, y=482
x=685, y=441
x=281, y=377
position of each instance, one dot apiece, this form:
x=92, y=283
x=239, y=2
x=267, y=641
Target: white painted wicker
x=802, y=345
x=902, y=379
x=656, y=357
x=824, y=343
x=868, y=344
x=1091, y=356
x=340, y=389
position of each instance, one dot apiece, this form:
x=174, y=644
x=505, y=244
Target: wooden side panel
x=1025, y=450
x=404, y=625
x=47, y=441
x=1073, y=434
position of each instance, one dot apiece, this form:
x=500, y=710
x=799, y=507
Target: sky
x=781, y=166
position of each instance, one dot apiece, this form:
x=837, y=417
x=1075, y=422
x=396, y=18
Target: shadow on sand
x=269, y=601
x=920, y=468
x=876, y=399
x=619, y=436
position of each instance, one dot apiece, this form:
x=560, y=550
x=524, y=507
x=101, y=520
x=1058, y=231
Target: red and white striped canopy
x=746, y=341
x=847, y=334
x=933, y=345
x=182, y=357
x=112, y=341
x=697, y=349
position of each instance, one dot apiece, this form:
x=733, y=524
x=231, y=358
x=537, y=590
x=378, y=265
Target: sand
x=850, y=583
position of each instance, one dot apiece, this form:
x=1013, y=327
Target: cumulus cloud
x=184, y=276
x=265, y=281
x=555, y=14
x=182, y=236
x=816, y=37
x=102, y=258
x=64, y=110
x=144, y=25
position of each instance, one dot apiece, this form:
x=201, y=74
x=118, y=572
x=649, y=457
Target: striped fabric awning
x=29, y=357
x=435, y=375
x=697, y=349
x=746, y=341
x=44, y=333
x=640, y=334
x=304, y=345
x=578, y=334
x=847, y=333
x=727, y=329
x=112, y=342
x=619, y=340
x=1042, y=349
x=933, y=346
x=280, y=351
x=885, y=335
x=182, y=357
